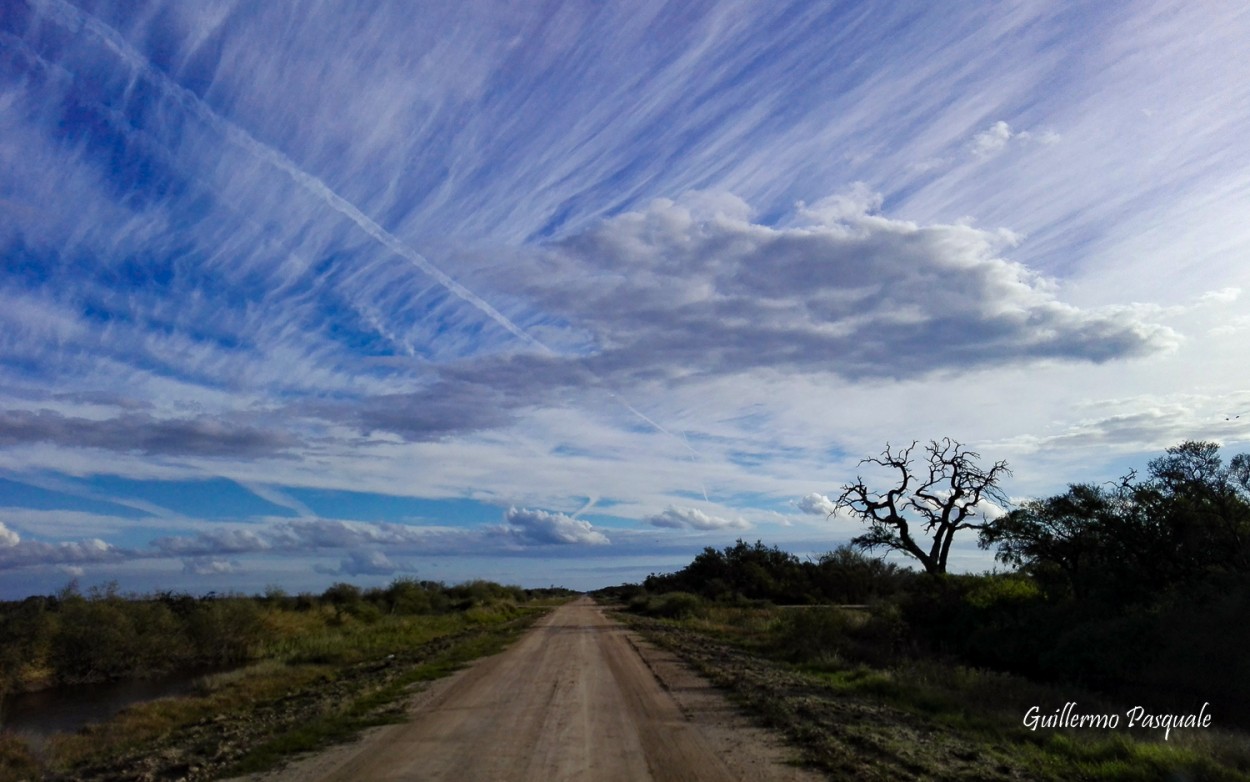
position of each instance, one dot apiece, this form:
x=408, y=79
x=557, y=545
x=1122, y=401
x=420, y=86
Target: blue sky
x=563, y=292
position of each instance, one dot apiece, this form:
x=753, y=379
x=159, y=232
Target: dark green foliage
x=1187, y=524
x=1140, y=588
x=225, y=631
x=103, y=635
x=1146, y=583
x=26, y=632
x=107, y=636
x=848, y=576
x=472, y=593
x=757, y=572
x=806, y=634
x=671, y=605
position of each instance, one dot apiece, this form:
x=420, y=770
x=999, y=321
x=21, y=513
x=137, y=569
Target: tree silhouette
x=929, y=503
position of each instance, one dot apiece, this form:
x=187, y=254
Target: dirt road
x=577, y=698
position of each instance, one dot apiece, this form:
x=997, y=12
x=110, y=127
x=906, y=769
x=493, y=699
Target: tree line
x=1138, y=588
x=72, y=637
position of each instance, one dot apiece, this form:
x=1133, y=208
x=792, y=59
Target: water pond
x=37, y=715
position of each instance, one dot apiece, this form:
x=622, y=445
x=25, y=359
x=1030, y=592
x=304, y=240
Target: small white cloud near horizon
x=693, y=518
x=816, y=504
x=540, y=526
x=209, y=566
x=8, y=538
x=368, y=563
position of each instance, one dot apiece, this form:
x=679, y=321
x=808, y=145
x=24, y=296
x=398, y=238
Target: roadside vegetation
x=294, y=672
x=1129, y=595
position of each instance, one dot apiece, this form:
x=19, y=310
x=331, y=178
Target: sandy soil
x=577, y=698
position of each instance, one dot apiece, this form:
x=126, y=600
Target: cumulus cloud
x=693, y=518
x=24, y=553
x=8, y=538
x=539, y=526
x=693, y=288
x=817, y=504
x=367, y=563
x=673, y=290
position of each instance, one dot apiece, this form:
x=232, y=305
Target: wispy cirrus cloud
x=650, y=253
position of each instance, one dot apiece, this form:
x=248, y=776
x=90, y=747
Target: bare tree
x=928, y=505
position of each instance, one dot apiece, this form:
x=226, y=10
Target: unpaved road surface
x=577, y=698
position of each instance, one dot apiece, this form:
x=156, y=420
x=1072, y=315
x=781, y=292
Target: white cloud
x=693, y=518
x=816, y=504
x=861, y=295
x=996, y=137
x=539, y=526
x=23, y=553
x=1221, y=296
x=368, y=563
x=8, y=538
x=992, y=140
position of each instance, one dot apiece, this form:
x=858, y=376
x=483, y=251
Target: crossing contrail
x=75, y=20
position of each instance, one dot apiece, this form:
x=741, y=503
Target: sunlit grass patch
x=348, y=640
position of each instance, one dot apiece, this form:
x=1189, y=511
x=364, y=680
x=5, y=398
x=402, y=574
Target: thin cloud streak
x=308, y=182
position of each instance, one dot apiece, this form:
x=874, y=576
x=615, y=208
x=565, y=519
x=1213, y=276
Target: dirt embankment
x=578, y=698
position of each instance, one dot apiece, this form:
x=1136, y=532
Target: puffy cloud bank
x=539, y=526
x=817, y=504
x=696, y=286
x=695, y=289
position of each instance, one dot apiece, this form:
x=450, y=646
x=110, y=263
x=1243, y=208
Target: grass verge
x=917, y=718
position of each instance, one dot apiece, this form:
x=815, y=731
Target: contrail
x=71, y=17
x=590, y=503
x=74, y=19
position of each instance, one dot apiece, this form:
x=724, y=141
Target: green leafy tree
x=1187, y=524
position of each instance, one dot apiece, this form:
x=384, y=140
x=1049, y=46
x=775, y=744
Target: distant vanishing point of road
x=573, y=699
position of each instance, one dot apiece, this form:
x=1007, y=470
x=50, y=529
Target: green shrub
x=809, y=634
x=226, y=630
x=674, y=605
